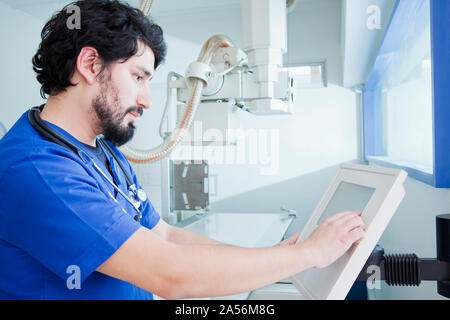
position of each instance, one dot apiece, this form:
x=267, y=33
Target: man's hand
x=334, y=236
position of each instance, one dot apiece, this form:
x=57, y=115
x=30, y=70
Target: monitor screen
x=374, y=191
x=348, y=197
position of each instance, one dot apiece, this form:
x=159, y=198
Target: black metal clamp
x=410, y=270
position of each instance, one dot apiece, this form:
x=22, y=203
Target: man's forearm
x=148, y=260
x=205, y=271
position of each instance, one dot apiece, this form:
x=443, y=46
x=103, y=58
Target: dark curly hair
x=110, y=26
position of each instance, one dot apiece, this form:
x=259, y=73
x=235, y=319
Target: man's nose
x=145, y=98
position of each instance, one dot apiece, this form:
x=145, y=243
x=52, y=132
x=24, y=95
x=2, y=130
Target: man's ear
x=89, y=64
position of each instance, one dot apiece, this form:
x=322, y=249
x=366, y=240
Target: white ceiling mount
x=265, y=40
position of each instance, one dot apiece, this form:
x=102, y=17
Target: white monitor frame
x=335, y=281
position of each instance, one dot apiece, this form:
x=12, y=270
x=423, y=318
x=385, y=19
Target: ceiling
x=43, y=9
x=358, y=44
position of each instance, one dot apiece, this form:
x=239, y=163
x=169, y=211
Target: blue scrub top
x=59, y=220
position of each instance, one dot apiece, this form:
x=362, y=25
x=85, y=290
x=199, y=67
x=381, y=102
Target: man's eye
x=138, y=78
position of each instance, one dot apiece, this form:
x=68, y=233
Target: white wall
x=19, y=89
x=314, y=34
x=321, y=133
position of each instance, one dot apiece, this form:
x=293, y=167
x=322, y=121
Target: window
x=403, y=97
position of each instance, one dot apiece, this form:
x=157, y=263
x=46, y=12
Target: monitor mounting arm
x=410, y=270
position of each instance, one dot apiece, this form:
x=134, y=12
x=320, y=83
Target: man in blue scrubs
x=65, y=233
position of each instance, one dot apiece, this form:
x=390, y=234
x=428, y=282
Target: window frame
x=440, y=63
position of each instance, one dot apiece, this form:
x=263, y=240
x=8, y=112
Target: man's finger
x=353, y=222
x=356, y=235
x=344, y=214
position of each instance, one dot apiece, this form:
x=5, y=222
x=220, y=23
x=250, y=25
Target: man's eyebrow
x=144, y=70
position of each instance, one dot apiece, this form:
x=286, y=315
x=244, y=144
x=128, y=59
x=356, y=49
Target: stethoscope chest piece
x=142, y=195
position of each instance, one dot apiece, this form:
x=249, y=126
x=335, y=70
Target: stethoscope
x=136, y=196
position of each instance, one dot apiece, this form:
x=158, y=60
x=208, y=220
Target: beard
x=110, y=119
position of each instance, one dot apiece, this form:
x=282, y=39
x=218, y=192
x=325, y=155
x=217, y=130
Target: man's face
x=123, y=95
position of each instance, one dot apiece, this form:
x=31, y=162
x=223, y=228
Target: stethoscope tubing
x=54, y=136
x=134, y=204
